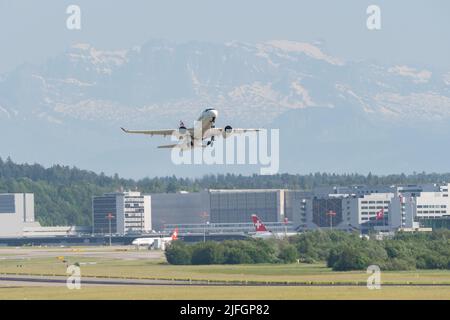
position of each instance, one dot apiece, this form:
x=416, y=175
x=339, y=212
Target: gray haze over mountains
x=333, y=115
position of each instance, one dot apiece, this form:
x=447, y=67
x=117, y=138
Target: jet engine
x=228, y=130
x=182, y=130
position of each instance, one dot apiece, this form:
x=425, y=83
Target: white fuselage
x=204, y=123
x=190, y=137
x=263, y=235
x=150, y=241
x=207, y=119
x=268, y=235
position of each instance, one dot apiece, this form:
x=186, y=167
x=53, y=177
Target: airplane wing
x=164, y=132
x=181, y=146
x=169, y=146
x=219, y=131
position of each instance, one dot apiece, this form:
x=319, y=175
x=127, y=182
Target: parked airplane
x=261, y=230
x=193, y=137
x=155, y=242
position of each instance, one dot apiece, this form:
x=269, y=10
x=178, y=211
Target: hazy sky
x=412, y=31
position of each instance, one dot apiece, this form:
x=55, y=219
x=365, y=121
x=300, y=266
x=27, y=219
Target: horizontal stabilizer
x=169, y=146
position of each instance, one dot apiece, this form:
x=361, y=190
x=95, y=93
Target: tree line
x=63, y=194
x=231, y=252
x=341, y=251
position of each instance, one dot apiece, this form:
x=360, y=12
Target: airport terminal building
x=215, y=207
x=410, y=207
x=355, y=208
x=17, y=219
x=121, y=213
x=179, y=208
x=234, y=206
x=225, y=206
x=16, y=213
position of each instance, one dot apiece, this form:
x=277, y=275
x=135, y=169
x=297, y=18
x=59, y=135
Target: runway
x=23, y=280
x=50, y=274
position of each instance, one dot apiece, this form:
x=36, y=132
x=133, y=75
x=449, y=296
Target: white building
x=121, y=213
x=16, y=212
x=433, y=205
x=403, y=213
x=365, y=209
x=412, y=207
x=409, y=209
x=37, y=230
x=349, y=212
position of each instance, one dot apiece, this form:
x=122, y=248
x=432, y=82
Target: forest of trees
x=341, y=251
x=63, y=194
x=231, y=252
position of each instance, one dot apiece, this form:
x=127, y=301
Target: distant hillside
x=63, y=194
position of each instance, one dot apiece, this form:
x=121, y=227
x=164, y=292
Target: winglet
x=124, y=130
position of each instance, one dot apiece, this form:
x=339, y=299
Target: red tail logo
x=380, y=214
x=175, y=234
x=259, y=226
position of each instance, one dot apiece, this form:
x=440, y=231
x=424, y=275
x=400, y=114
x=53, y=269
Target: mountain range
x=333, y=115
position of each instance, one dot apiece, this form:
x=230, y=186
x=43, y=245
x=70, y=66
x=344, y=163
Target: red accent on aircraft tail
x=175, y=234
x=259, y=225
x=380, y=214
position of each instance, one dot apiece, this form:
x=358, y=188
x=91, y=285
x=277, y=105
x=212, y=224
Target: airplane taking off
x=261, y=230
x=156, y=241
x=190, y=138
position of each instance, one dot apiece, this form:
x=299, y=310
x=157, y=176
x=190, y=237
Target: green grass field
x=158, y=268
x=225, y=293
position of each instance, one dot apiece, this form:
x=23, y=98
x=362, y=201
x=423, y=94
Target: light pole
x=285, y=226
x=331, y=214
x=204, y=215
x=204, y=231
x=110, y=217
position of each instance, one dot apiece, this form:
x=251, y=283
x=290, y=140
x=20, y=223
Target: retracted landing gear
x=213, y=125
x=210, y=142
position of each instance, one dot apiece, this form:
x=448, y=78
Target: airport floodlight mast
x=331, y=214
x=204, y=231
x=286, y=220
x=110, y=217
x=204, y=215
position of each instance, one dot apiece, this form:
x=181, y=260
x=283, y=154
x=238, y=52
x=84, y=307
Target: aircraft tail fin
x=175, y=234
x=259, y=225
